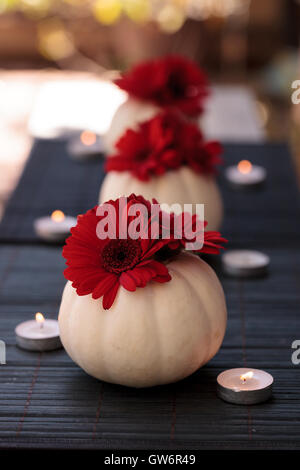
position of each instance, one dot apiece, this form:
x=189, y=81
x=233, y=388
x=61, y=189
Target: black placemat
x=52, y=180
x=47, y=401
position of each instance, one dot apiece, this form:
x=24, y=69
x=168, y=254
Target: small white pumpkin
x=156, y=335
x=182, y=186
x=128, y=116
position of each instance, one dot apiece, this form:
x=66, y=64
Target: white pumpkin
x=182, y=186
x=128, y=116
x=156, y=335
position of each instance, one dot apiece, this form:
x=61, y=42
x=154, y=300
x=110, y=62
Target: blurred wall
x=211, y=41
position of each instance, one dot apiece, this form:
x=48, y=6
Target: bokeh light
x=55, y=42
x=170, y=18
x=107, y=11
x=169, y=14
x=138, y=11
x=35, y=8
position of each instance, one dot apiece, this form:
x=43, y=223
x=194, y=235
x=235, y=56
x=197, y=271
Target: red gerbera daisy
x=172, y=81
x=99, y=266
x=187, y=228
x=165, y=142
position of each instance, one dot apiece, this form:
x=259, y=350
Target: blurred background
x=57, y=58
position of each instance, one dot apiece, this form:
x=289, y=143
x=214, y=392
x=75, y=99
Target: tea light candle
x=245, y=175
x=86, y=145
x=54, y=228
x=39, y=334
x=245, y=263
x=244, y=386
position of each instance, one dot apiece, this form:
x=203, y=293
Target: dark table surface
x=46, y=401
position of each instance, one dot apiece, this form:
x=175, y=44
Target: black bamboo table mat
x=52, y=180
x=46, y=401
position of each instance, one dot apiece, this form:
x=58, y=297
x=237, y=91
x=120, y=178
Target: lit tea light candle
x=39, y=334
x=244, y=386
x=245, y=175
x=54, y=228
x=245, y=263
x=86, y=145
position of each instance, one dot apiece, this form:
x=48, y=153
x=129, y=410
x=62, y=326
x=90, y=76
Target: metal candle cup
x=245, y=263
x=38, y=335
x=84, y=146
x=244, y=386
x=245, y=175
x=54, y=228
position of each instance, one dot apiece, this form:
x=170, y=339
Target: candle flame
x=39, y=317
x=246, y=376
x=88, y=138
x=244, y=166
x=57, y=216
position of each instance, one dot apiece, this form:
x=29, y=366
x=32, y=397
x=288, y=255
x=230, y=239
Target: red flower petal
x=109, y=297
x=127, y=282
x=104, y=285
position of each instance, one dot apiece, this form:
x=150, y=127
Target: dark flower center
x=176, y=86
x=121, y=255
x=143, y=155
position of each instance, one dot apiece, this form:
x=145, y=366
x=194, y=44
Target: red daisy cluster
x=172, y=81
x=165, y=142
x=99, y=266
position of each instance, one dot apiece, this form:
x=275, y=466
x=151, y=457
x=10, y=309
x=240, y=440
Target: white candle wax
x=54, y=228
x=38, y=335
x=86, y=145
x=245, y=263
x=245, y=385
x=245, y=175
